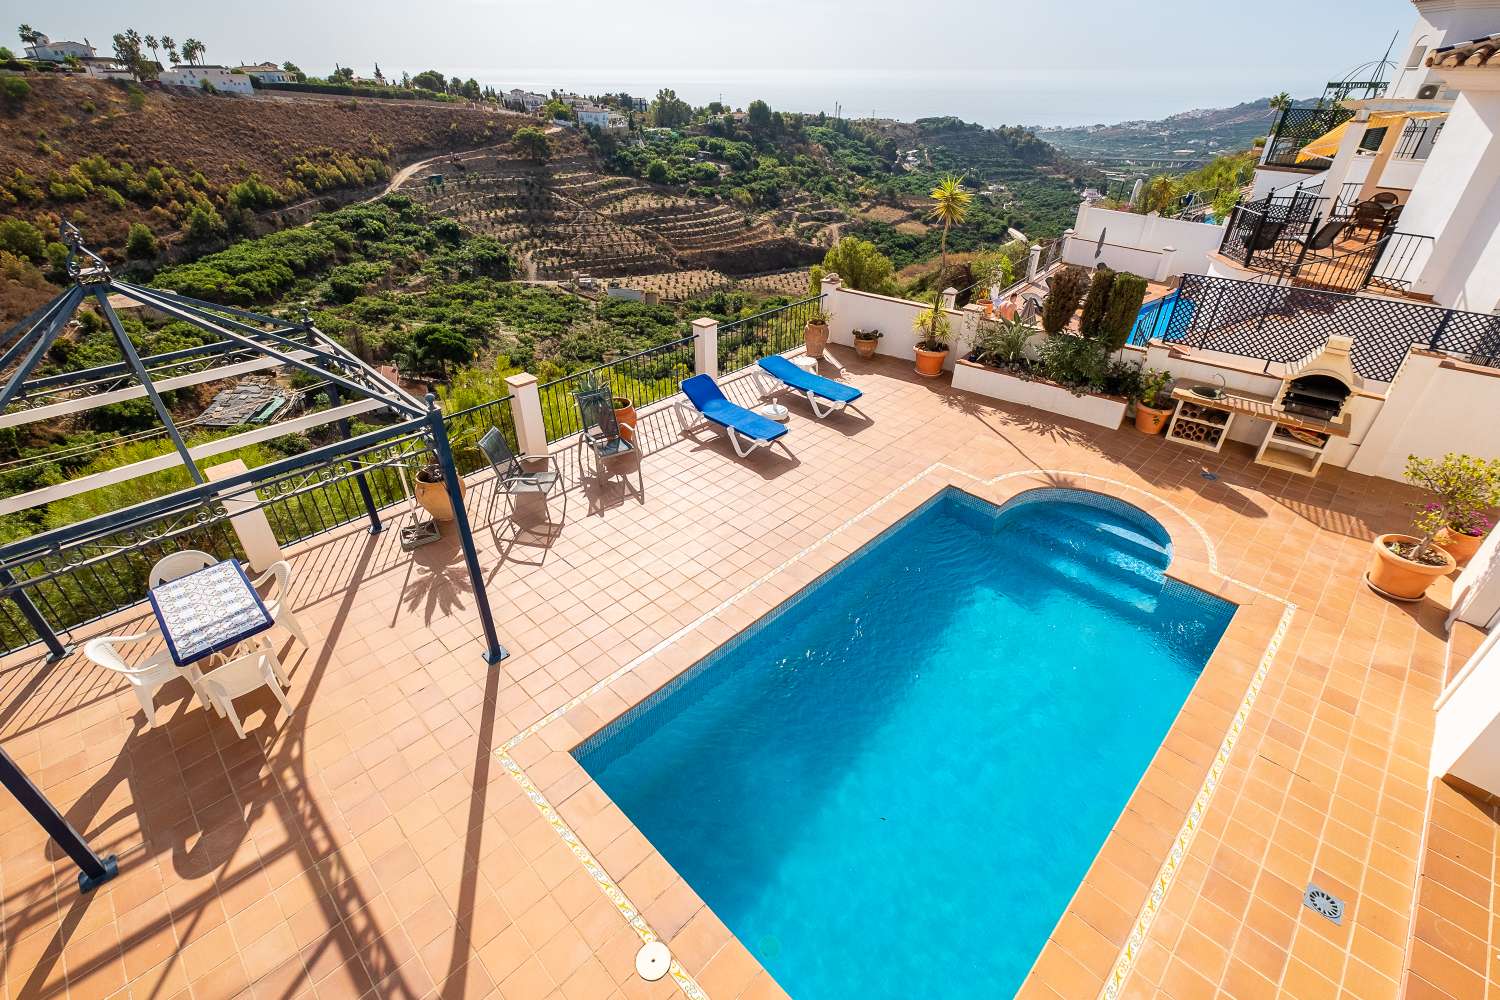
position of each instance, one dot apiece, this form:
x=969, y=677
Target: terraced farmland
x=563, y=216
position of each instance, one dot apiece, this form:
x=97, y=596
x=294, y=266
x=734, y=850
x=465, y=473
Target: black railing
x=1289, y=237
x=1284, y=323
x=643, y=378
x=82, y=582
x=1417, y=138
x=743, y=342
x=1295, y=129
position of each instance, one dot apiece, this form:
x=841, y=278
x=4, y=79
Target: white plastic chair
x=145, y=677
x=241, y=675
x=280, y=606
x=179, y=564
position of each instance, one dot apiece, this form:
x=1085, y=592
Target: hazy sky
x=1032, y=62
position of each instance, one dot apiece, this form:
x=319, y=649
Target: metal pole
x=494, y=652
x=93, y=870
x=359, y=477
x=56, y=650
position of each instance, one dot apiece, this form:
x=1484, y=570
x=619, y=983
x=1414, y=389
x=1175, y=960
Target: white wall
x=1434, y=406
x=1476, y=592
x=849, y=310
x=1439, y=23
x=1457, y=203
x=1466, y=736
x=1135, y=243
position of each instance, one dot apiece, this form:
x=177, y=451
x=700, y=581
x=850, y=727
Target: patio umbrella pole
x=494, y=652
x=93, y=870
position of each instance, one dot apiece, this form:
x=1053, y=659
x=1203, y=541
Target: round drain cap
x=653, y=961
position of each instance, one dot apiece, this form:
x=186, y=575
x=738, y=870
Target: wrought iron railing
x=743, y=342
x=1295, y=129
x=1418, y=138
x=84, y=580
x=1284, y=323
x=643, y=378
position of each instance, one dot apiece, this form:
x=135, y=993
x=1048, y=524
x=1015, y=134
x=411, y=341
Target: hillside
x=1190, y=135
x=107, y=155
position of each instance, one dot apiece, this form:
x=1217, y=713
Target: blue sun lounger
x=739, y=423
x=825, y=395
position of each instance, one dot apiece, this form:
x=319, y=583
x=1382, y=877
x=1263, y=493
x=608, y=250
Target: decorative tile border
x=612, y=892
x=1128, y=954
x=1185, y=836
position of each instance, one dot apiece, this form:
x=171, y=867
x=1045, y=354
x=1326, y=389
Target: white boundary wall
x=1147, y=245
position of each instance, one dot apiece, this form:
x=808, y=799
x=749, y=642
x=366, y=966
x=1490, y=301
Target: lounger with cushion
x=740, y=425
x=825, y=395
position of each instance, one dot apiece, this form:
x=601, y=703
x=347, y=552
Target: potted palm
x=1153, y=407
x=815, y=334
x=931, y=349
x=865, y=341
x=1403, y=566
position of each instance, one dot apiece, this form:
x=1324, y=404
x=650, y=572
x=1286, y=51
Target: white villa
x=46, y=50
x=265, y=72
x=526, y=100
x=220, y=78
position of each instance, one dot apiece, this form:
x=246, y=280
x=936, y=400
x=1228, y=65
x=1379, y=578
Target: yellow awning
x=1327, y=145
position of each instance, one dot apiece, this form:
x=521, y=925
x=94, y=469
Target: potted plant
x=432, y=492
x=815, y=334
x=865, y=341
x=931, y=349
x=1153, y=407
x=625, y=417
x=1404, y=566
x=1463, y=537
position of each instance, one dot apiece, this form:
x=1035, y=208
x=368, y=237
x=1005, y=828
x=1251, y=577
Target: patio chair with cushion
x=178, y=564
x=824, y=394
x=739, y=424
x=146, y=677
x=1325, y=237
x=511, y=478
x=601, y=436
x=1369, y=215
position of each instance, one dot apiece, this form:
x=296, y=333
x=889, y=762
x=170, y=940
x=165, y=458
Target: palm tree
x=1280, y=102
x=151, y=44
x=170, y=44
x=192, y=50
x=950, y=205
x=29, y=35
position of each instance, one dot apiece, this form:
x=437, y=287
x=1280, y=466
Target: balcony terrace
x=396, y=834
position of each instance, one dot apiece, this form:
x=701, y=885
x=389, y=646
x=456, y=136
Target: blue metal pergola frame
x=243, y=335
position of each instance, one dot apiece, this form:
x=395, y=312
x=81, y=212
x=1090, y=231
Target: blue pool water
x=899, y=778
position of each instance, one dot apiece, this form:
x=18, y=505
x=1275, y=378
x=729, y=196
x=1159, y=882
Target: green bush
x=21, y=238
x=1125, y=298
x=1096, y=302
x=1064, y=289
x=141, y=243
x=14, y=89
x=203, y=222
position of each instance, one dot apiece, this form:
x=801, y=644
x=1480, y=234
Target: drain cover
x=1323, y=903
x=653, y=961
x=1208, y=475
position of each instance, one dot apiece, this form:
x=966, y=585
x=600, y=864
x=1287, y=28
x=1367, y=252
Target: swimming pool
x=898, y=778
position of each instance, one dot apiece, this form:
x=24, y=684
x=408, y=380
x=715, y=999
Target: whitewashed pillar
x=831, y=283
x=526, y=411
x=706, y=346
x=969, y=327
x=1164, y=266
x=247, y=517
x=950, y=297
x=1034, y=261
x=1343, y=160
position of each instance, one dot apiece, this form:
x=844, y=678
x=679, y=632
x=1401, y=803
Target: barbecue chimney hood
x=1331, y=361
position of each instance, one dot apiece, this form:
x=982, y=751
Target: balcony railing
x=743, y=342
x=1287, y=237
x=644, y=378
x=1280, y=324
x=1295, y=129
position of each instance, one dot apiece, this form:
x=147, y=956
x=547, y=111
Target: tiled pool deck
x=417, y=827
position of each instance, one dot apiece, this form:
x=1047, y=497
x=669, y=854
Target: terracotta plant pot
x=865, y=347
x=930, y=363
x=815, y=336
x=1459, y=545
x=625, y=414
x=434, y=497
x=1403, y=579
x=1150, y=420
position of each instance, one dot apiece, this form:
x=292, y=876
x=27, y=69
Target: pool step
x=1082, y=523
x=1095, y=577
